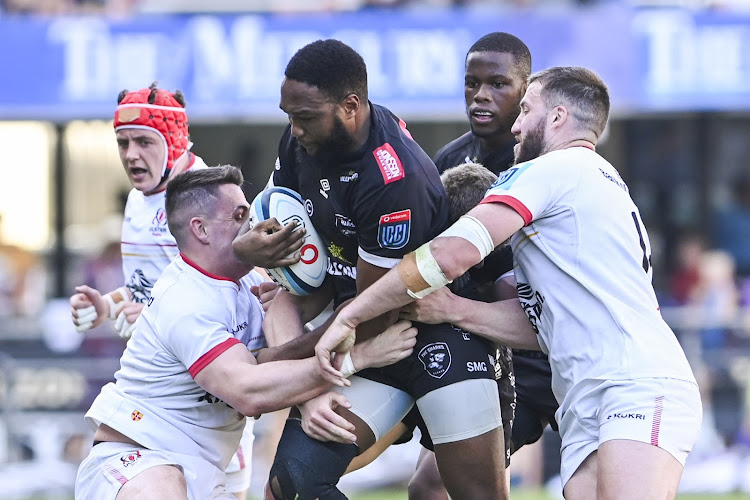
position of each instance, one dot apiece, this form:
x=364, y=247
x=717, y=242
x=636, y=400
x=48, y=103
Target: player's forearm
x=386, y=294
x=283, y=322
x=279, y=384
x=504, y=322
x=299, y=348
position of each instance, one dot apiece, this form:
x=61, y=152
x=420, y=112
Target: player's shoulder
x=196, y=162
x=460, y=150
x=183, y=290
x=395, y=153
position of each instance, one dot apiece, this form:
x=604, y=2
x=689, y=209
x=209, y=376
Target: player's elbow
x=256, y=405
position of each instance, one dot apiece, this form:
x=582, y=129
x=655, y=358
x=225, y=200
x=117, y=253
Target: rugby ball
x=286, y=206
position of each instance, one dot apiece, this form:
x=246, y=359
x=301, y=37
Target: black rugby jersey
x=380, y=202
x=469, y=148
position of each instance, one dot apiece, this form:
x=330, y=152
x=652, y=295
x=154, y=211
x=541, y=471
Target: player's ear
x=558, y=116
x=198, y=229
x=351, y=104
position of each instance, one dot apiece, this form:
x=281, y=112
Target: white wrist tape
x=347, y=367
x=472, y=230
x=430, y=271
x=115, y=298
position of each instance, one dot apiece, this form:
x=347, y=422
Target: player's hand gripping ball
x=286, y=206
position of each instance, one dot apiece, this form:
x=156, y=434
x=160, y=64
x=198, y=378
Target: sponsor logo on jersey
x=136, y=416
x=532, y=302
x=616, y=179
x=389, y=163
x=130, y=458
x=505, y=176
x=349, y=177
x=394, y=229
x=160, y=219
x=325, y=186
x=159, y=223
x=309, y=207
x=476, y=366
x=345, y=225
x=277, y=165
x=339, y=269
x=436, y=358
x=209, y=398
x=237, y=329
x=632, y=416
x=337, y=252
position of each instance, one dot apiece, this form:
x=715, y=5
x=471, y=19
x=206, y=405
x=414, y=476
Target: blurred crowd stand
x=120, y=8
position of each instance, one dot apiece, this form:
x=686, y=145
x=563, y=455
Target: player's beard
x=532, y=144
x=339, y=143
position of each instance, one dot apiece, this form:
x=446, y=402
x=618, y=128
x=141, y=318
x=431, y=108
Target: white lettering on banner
x=95, y=61
x=428, y=61
x=244, y=61
x=215, y=59
x=684, y=57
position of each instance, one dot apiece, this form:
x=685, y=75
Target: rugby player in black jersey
x=497, y=67
x=374, y=195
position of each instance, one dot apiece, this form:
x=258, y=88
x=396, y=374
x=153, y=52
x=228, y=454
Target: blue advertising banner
x=230, y=67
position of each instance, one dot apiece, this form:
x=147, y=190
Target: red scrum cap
x=158, y=110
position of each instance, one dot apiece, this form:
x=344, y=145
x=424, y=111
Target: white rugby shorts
x=110, y=465
x=663, y=412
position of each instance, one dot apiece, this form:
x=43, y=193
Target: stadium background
x=679, y=73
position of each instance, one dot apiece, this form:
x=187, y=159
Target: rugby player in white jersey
x=169, y=424
x=630, y=411
x=151, y=128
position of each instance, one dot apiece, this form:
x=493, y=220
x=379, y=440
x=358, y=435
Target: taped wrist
x=347, y=367
x=421, y=273
x=115, y=298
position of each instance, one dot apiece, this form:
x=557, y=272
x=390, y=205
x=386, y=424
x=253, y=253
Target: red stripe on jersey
x=211, y=355
x=389, y=163
x=512, y=203
x=203, y=271
x=656, y=424
x=149, y=244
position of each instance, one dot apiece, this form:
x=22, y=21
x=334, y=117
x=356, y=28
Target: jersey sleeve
x=196, y=337
x=284, y=171
x=396, y=217
x=531, y=188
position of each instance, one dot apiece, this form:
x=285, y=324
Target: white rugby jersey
x=192, y=318
x=582, y=265
x=147, y=245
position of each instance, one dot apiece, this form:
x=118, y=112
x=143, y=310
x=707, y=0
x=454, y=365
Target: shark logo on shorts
x=130, y=458
x=436, y=358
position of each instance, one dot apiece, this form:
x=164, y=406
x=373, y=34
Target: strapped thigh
x=380, y=406
x=461, y=411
